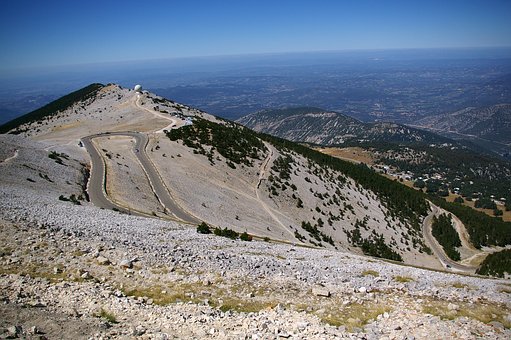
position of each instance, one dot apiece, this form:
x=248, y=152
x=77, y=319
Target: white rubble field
x=81, y=267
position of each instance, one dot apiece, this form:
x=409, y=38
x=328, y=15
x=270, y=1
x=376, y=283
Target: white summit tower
x=138, y=88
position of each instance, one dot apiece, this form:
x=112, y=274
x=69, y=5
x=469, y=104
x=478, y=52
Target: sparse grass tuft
x=159, y=270
x=403, y=279
x=159, y=295
x=34, y=271
x=78, y=253
x=107, y=316
x=234, y=299
x=370, y=272
x=246, y=306
x=6, y=251
x=459, y=285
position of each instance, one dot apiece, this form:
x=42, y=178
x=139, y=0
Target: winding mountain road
x=437, y=249
x=97, y=181
x=173, y=122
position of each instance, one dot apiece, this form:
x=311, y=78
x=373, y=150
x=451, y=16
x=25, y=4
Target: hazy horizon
x=43, y=34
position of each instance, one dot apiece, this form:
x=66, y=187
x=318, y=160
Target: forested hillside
x=446, y=235
x=496, y=264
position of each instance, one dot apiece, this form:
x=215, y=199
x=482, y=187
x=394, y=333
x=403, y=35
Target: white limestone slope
x=63, y=264
x=238, y=199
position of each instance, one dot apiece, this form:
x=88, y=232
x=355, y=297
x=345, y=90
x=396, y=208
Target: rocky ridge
x=317, y=126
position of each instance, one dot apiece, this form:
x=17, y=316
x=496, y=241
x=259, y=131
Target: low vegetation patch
x=403, y=279
x=58, y=157
x=505, y=288
x=73, y=199
x=460, y=285
x=103, y=313
x=203, y=228
x=353, y=316
x=245, y=237
x=371, y=273
x=226, y=232
x=36, y=271
x=485, y=313
x=246, y=305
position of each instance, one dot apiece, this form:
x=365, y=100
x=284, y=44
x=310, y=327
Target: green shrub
x=245, y=237
x=229, y=233
x=203, y=228
x=107, y=316
x=459, y=199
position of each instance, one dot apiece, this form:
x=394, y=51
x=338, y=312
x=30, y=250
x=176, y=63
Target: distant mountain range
x=464, y=156
x=319, y=126
x=486, y=127
x=491, y=123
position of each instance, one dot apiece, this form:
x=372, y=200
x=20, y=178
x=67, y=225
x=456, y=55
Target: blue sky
x=43, y=33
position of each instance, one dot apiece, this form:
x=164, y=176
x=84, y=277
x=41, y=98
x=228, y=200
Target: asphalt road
x=437, y=249
x=97, y=181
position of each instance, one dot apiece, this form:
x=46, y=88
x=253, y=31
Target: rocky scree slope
x=328, y=205
x=76, y=271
